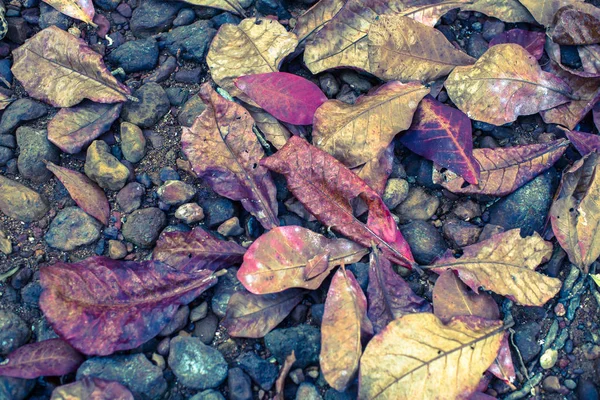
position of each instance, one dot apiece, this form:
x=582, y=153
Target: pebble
x=569, y=56
x=570, y=384
x=304, y=339
x=116, y=249
x=231, y=227
x=5, y=243
x=272, y=7
x=143, y=227
x=104, y=168
x=153, y=16
x=50, y=16
x=225, y=18
x=329, y=85
x=355, y=81
x=190, y=76
x=239, y=385
x=133, y=142
x=476, y=45
x=228, y=284
x=19, y=202
x=195, y=364
x=30, y=294
x=15, y=388
x=163, y=72
x=199, y=312
x=425, y=241
x=190, y=110
x=18, y=30
x=35, y=148
x=189, y=213
x=153, y=104
x=107, y=5
x=6, y=155
x=72, y=228
x=134, y=371
x=297, y=376
x=396, y=191
x=136, y=55
x=14, y=332
x=185, y=17
x=208, y=395
x=189, y=42
x=307, y=391
x=551, y=383
x=466, y=209
x=491, y=28
x=526, y=340
x=175, y=193
x=217, y=211
x=206, y=328
x=177, y=96
x=130, y=197
x=20, y=111
x=178, y=322
x=586, y=390
x=461, y=233
x=549, y=358
x=125, y=10
x=419, y=205
x=262, y=372
x=591, y=351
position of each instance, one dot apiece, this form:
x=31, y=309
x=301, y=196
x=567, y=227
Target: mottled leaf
x=576, y=24
x=505, y=10
x=254, y=315
x=390, y=297
x=590, y=58
x=92, y=389
x=82, y=10
x=503, y=367
x=504, y=83
x=196, y=250
x=531, y=41
x=357, y=133
x=316, y=17
x=505, y=264
x=325, y=187
x=53, y=357
x=424, y=358
x=100, y=305
x=272, y=129
x=442, y=134
x=344, y=324
x=89, y=196
x=554, y=53
x=224, y=152
x=316, y=265
x=544, y=10
x=72, y=129
x=56, y=67
x=288, y=97
x=377, y=170
x=283, y=373
x=277, y=260
x=585, y=143
x=232, y=6
x=429, y=12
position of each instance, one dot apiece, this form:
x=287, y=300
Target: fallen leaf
x=325, y=188
x=357, y=133
x=503, y=367
x=585, y=143
x=58, y=68
x=554, y=54
x=86, y=194
x=394, y=54
x=316, y=265
x=576, y=24
x=196, y=250
x=377, y=170
x=283, y=372
x=53, y=357
x=256, y=45
x=544, y=10
x=590, y=58
x=575, y=213
x=100, y=305
x=442, y=134
x=505, y=264
x=316, y=17
x=82, y=10
x=344, y=324
x=5, y=100
x=505, y=10
x=72, y=129
x=92, y=389
x=429, y=12
x=531, y=41
x=504, y=83
x=232, y=6
x=504, y=169
x=277, y=260
x=224, y=152
x=272, y=129
x=596, y=115
x=424, y=358
x=288, y=97
x=253, y=316
x=390, y=297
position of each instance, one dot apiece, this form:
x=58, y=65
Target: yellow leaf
x=233, y=6
x=82, y=10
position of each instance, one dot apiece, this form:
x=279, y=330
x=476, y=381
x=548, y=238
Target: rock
x=476, y=45
x=9, y=141
x=189, y=213
x=208, y=395
x=143, y=227
x=526, y=340
x=239, y=385
x=586, y=390
x=6, y=155
x=190, y=110
x=130, y=197
x=195, y=364
x=461, y=233
x=104, y=168
x=225, y=18
x=163, y=72
x=206, y=328
x=107, y=5
x=317, y=311
x=116, y=249
x=528, y=206
x=153, y=16
x=424, y=240
x=5, y=243
x=133, y=142
x=304, y=339
x=329, y=85
x=30, y=294
x=125, y=10
x=551, y=384
x=15, y=388
x=34, y=150
x=395, y=192
x=549, y=358
x=20, y=111
x=217, y=211
x=419, y=205
x=190, y=42
x=190, y=76
x=134, y=371
x=466, y=209
x=569, y=56
x=185, y=17
x=50, y=16
x=174, y=193
x=178, y=322
x=152, y=106
x=272, y=7
x=590, y=351
x=136, y=55
x=177, y=96
x=20, y=202
x=491, y=28
x=72, y=228
x=231, y=227
x=14, y=332
x=228, y=284
x=307, y=391
x=356, y=81
x=262, y=372
x=199, y=312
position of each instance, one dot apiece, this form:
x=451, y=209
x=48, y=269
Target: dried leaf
x=224, y=152
x=377, y=170
x=92, y=389
x=53, y=357
x=72, y=129
x=277, y=260
x=389, y=296
x=100, y=305
x=554, y=53
x=357, y=133
x=429, y=12
x=442, y=134
x=505, y=264
x=590, y=58
x=575, y=213
x=544, y=10
x=288, y=97
x=316, y=17
x=253, y=316
x=256, y=45
x=89, y=196
x=395, y=54
x=283, y=372
x=82, y=10
x=56, y=67
x=505, y=169
x=576, y=24
x=504, y=83
x=316, y=265
x=505, y=10
x=5, y=100
x=531, y=41
x=272, y=129
x=423, y=358
x=585, y=143
x=232, y=6
x=344, y=323
x=196, y=250
x=325, y=187
x=503, y=367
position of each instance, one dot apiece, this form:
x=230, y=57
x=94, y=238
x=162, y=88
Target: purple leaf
x=532, y=41
x=585, y=143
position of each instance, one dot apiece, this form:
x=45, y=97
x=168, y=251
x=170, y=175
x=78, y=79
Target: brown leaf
x=575, y=213
x=554, y=53
x=274, y=131
x=394, y=54
x=504, y=169
x=429, y=12
x=255, y=46
x=316, y=17
x=56, y=67
x=92, y=389
x=377, y=170
x=357, y=133
x=316, y=265
x=590, y=58
x=424, y=358
x=544, y=10
x=344, y=323
x=504, y=83
x=5, y=100
x=505, y=264
x=233, y=6
x=576, y=24
x=505, y=10
x=283, y=372
x=82, y=10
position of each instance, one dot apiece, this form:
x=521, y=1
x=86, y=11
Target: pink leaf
x=585, y=143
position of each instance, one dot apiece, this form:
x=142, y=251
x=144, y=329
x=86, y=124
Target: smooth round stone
x=72, y=228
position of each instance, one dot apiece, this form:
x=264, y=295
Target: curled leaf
x=92, y=389
x=531, y=41
x=590, y=58
x=505, y=10
x=576, y=24
x=273, y=130
x=544, y=10
x=585, y=143
x=316, y=17
x=377, y=170
x=82, y=10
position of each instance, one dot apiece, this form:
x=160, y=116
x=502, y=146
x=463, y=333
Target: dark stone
x=209, y=394
x=107, y=5
x=30, y=294
x=177, y=96
x=526, y=340
x=185, y=17
x=8, y=141
x=355, y=81
x=476, y=45
x=178, y=322
x=586, y=390
x=130, y=197
x=329, y=85
x=5, y=71
x=14, y=332
x=136, y=55
x=34, y=149
x=192, y=108
x=6, y=154
x=143, y=227
x=21, y=278
x=317, y=311
x=217, y=211
x=195, y=364
x=262, y=372
x=152, y=106
x=20, y=111
x=227, y=286
x=31, y=15
x=190, y=41
x=239, y=385
x=225, y=18
x=447, y=32
x=50, y=16
x=304, y=340
x=569, y=56
x=361, y=273
x=163, y=72
x=15, y=388
x=425, y=242
x=154, y=16
x=72, y=228
x=206, y=328
x=18, y=30
x=125, y=10
x=491, y=28
x=272, y=7
x=189, y=75
x=168, y=174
